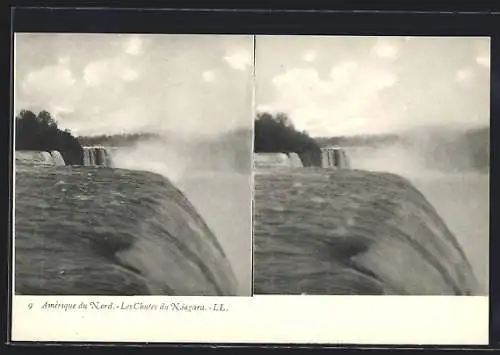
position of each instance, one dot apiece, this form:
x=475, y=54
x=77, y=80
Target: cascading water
x=271, y=160
x=268, y=160
x=34, y=157
x=96, y=156
x=47, y=158
x=57, y=157
x=334, y=158
x=295, y=160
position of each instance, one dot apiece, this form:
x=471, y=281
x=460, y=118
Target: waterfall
x=283, y=160
x=96, y=156
x=48, y=158
x=268, y=160
x=295, y=160
x=347, y=162
x=57, y=157
x=34, y=157
x=86, y=157
x=332, y=157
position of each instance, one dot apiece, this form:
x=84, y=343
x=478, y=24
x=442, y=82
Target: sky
x=123, y=83
x=369, y=85
x=203, y=84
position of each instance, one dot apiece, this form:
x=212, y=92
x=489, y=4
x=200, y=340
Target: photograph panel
x=133, y=158
x=372, y=165
x=340, y=209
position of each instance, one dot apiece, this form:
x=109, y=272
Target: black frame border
x=481, y=20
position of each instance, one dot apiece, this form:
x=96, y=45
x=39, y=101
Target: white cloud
x=133, y=46
x=94, y=71
x=464, y=74
x=63, y=60
x=50, y=78
x=344, y=101
x=129, y=74
x=105, y=72
x=341, y=73
x=208, y=76
x=266, y=108
x=51, y=88
x=309, y=55
x=483, y=60
x=384, y=80
x=98, y=97
x=58, y=109
x=385, y=49
x=377, y=85
x=239, y=59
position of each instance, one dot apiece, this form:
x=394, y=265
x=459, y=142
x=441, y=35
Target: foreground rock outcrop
x=97, y=231
x=352, y=232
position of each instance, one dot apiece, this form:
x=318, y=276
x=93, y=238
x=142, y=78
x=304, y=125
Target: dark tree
x=40, y=132
x=276, y=134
